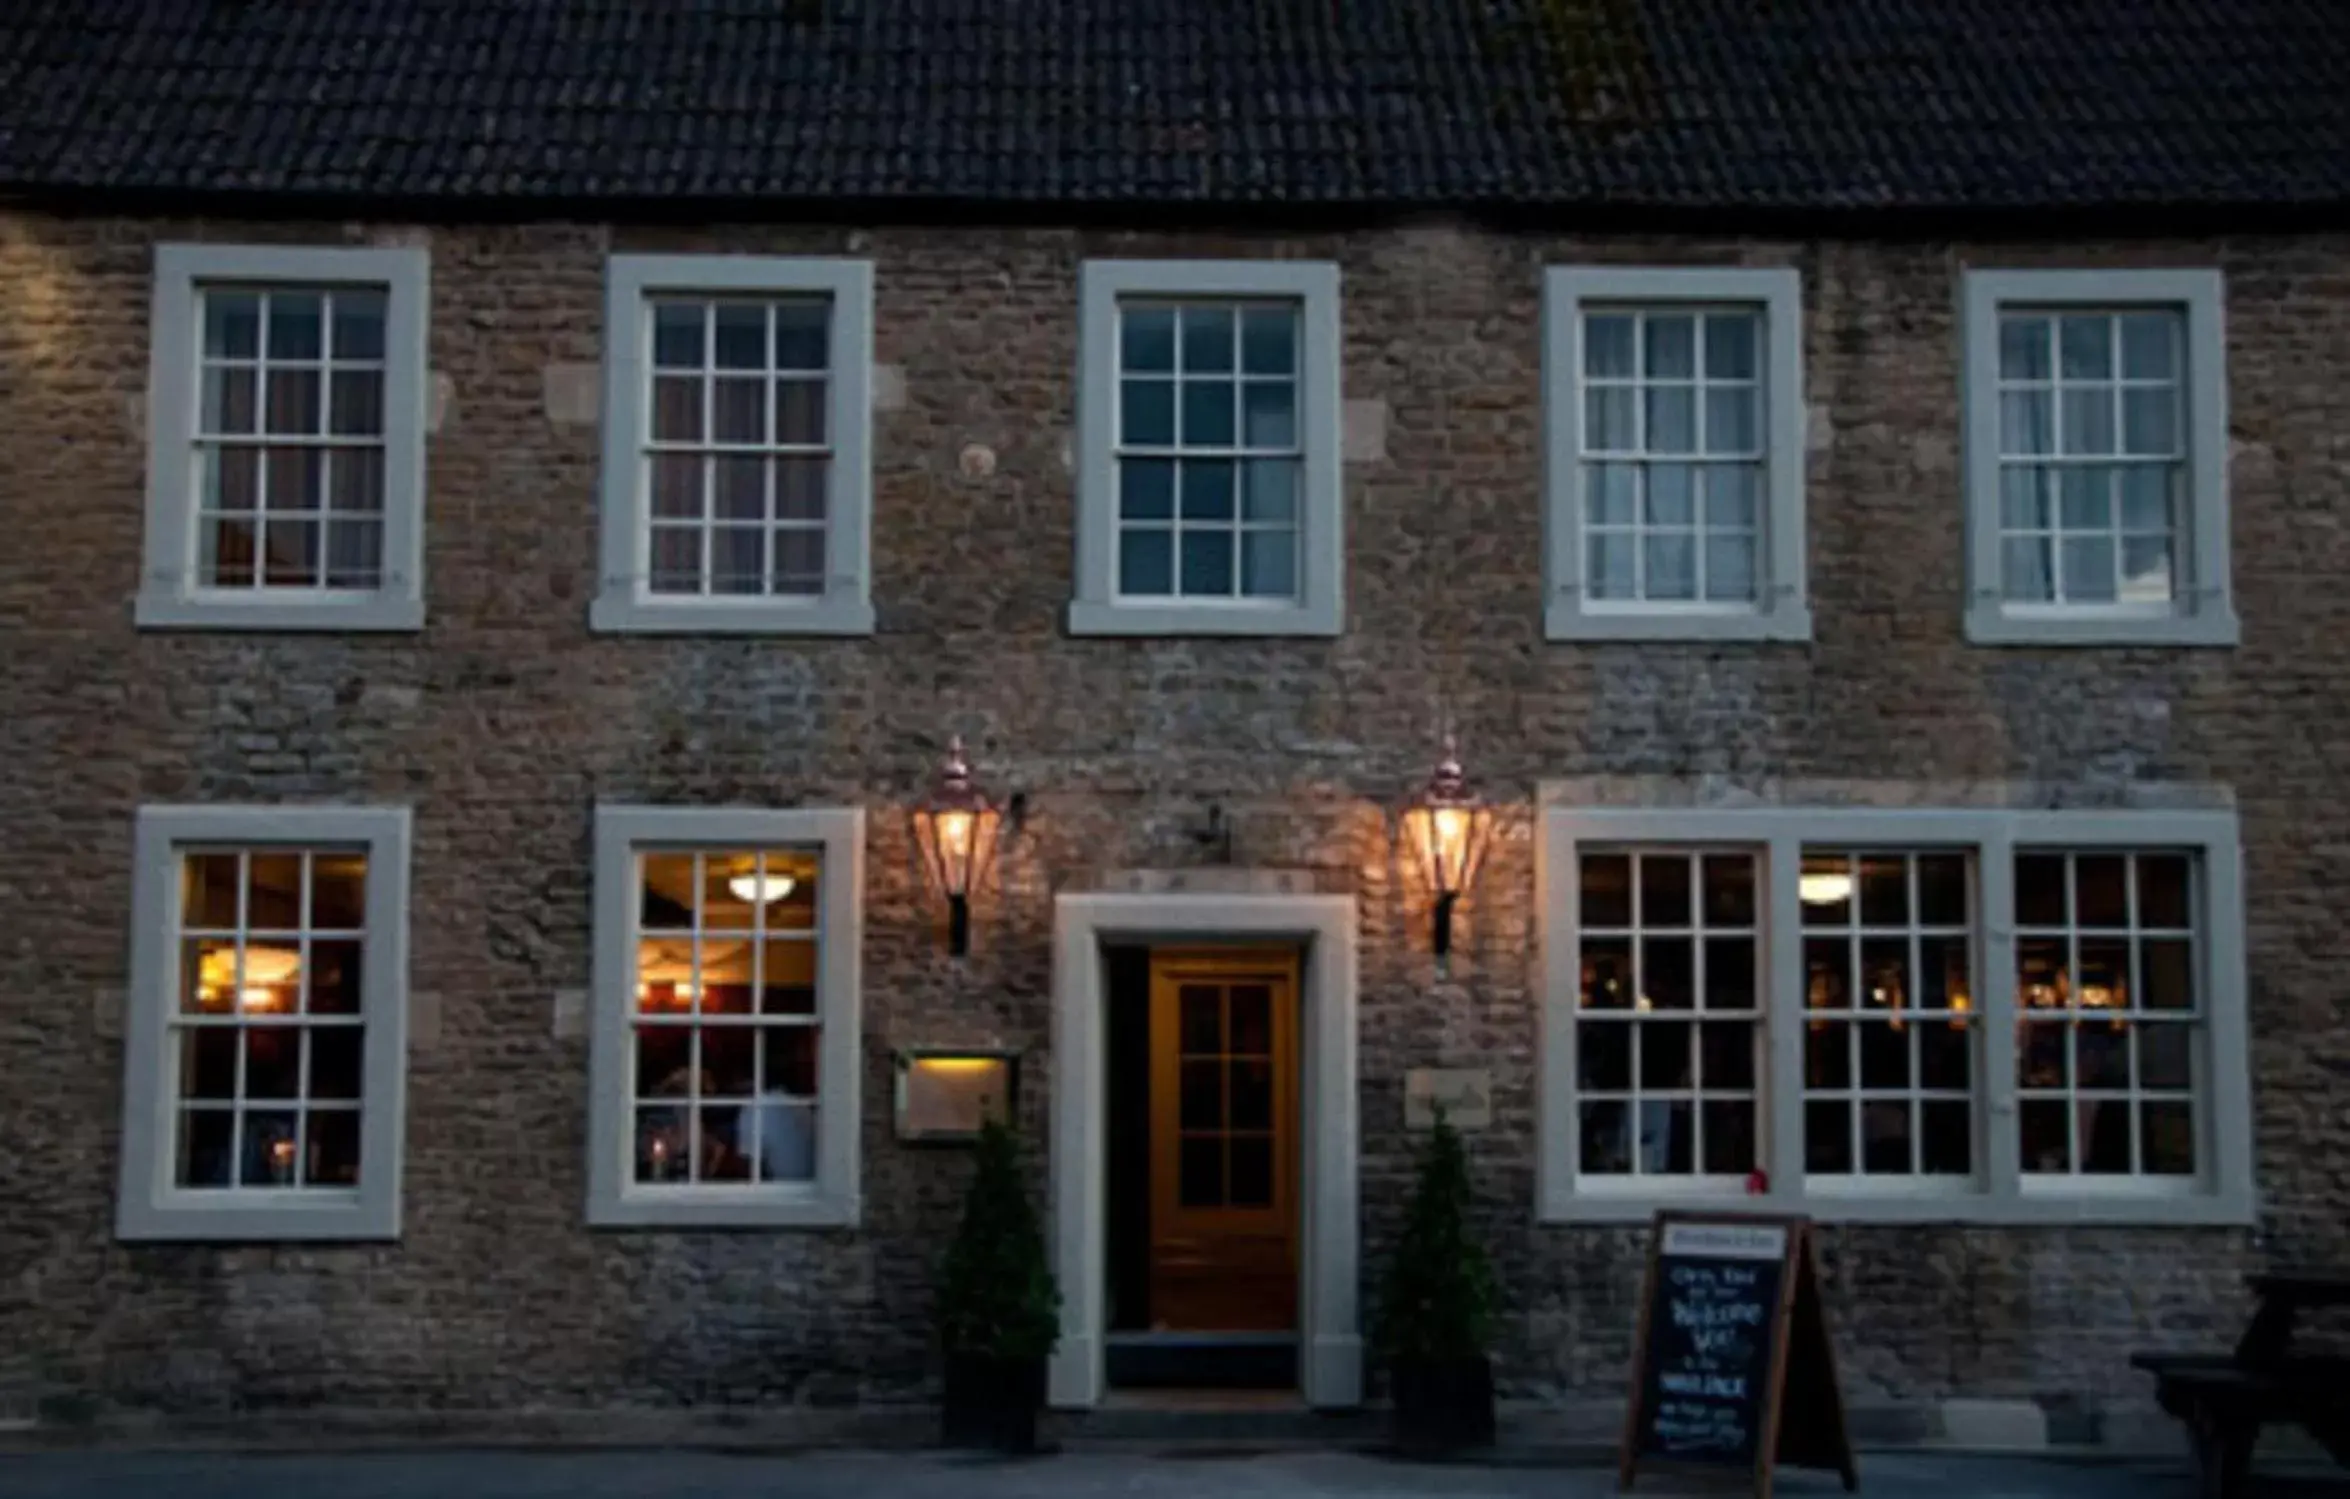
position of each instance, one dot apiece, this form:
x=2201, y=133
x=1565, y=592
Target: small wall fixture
x=944, y=1095
x=1446, y=827
x=956, y=827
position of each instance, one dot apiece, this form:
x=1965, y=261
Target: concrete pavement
x=1141, y=1473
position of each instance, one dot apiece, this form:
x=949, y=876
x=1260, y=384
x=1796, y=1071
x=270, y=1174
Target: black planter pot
x=1443, y=1405
x=992, y=1402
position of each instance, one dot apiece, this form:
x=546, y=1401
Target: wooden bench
x=2226, y=1398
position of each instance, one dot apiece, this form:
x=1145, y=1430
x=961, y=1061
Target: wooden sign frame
x=1822, y=1439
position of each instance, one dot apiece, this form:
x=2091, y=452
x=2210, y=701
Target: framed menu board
x=1732, y=1367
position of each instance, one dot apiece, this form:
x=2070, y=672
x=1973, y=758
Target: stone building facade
x=504, y=721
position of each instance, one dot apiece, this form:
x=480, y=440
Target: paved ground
x=444, y=1474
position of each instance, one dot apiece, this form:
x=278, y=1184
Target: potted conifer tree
x=1437, y=1311
x=999, y=1312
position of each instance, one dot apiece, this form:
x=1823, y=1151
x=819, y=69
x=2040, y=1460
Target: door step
x=1197, y=1422
x=1202, y=1361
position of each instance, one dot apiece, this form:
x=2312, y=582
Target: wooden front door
x=1224, y=1140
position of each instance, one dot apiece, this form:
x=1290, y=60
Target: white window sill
x=1998, y=625
x=1569, y=621
x=230, y=1216
x=1093, y=617
x=2151, y=1207
x=703, y=1207
x=378, y=613
x=626, y=614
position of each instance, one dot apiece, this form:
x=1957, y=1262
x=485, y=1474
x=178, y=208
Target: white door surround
x=1330, y=1343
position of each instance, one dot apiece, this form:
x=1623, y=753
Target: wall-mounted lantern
x=945, y=1094
x=956, y=827
x=1446, y=828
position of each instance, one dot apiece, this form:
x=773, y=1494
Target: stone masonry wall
x=505, y=721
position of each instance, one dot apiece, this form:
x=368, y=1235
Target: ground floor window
x=266, y=1029
x=726, y=1016
x=1896, y=1014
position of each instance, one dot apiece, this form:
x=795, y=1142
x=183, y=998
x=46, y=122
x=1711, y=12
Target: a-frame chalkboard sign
x=1732, y=1366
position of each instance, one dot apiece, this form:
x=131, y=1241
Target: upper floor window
x=285, y=477
x=266, y=1031
x=2096, y=438
x=737, y=485
x=1675, y=414
x=1209, y=483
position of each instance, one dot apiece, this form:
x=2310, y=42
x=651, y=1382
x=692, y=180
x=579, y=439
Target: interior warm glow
x=258, y=998
x=958, y=1064
x=1825, y=888
x=761, y=890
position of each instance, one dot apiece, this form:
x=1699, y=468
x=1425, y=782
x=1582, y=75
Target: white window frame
x=149, y=1205
x=1999, y=1192
x=831, y=1200
x=1320, y=607
x=170, y=595
x=624, y=602
x=2202, y=610
x=1781, y=610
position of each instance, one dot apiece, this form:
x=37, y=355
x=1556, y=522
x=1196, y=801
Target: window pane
x=803, y=334
x=331, y=1139
x=359, y=325
x=1728, y=1055
x=677, y=410
x=740, y=484
x=1733, y=421
x=1610, y=421
x=2104, y=1136
x=1884, y=890
x=1252, y=1095
x=1269, y=489
x=2027, y=577
x=2023, y=348
x=1146, y=561
x=1268, y=340
x=2088, y=569
x=335, y=1052
x=801, y=488
x=273, y=1061
x=1252, y=1172
x=231, y=400
x=2167, y=974
x=2165, y=1057
x=333, y=975
x=1672, y=491
x=1943, y=1062
x=1146, y=339
x=1671, y=346
x=2150, y=421
x=207, y=1149
x=2044, y=1135
x=2101, y=884
x=2150, y=345
x=2162, y=891
x=1603, y=1055
x=1605, y=1130
x=356, y=482
x=1946, y=1138
x=1207, y=414
x=1268, y=564
x=678, y=335
x=1607, y=890
x=1607, y=973
x=1672, y=419
x=677, y=560
x=739, y=336
x=2146, y=496
x=1609, y=564
x=1199, y=1172
x=738, y=410
x=293, y=402
x=1942, y=889
x=289, y=553
x=738, y=560
x=1207, y=340
x=1731, y=493
x=232, y=325
x=1827, y=1055
x=1668, y=976
x=2026, y=423
x=1729, y=1136
x=1671, y=571
x=800, y=408
x=2024, y=498
x=1885, y=1138
x=1147, y=413
x=354, y=553
x=1827, y=1137
x=1729, y=890
x=2085, y=495
x=1667, y=1057
x=2088, y=420
x=295, y=327
x=1271, y=407
x=1146, y=488
x=2087, y=341
x=1664, y=890
x=1607, y=345
x=1207, y=489
x=2167, y=1135
x=1731, y=344
x=208, y=1064
x=1729, y=568
x=2146, y=569
x=1207, y=564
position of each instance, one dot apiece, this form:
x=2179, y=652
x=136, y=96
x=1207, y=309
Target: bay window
x=1982, y=1015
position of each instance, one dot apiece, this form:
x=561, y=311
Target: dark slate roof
x=1758, y=106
